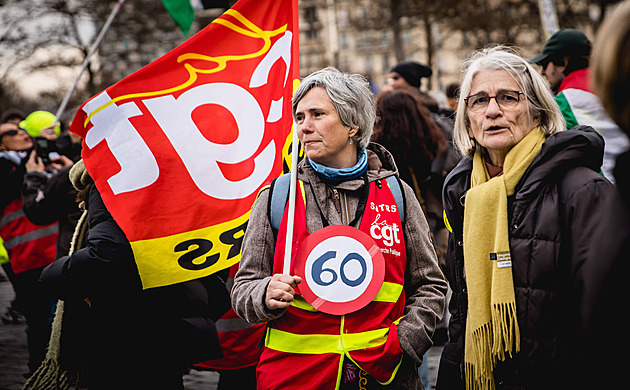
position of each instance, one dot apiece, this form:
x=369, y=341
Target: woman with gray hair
x=521, y=207
x=339, y=316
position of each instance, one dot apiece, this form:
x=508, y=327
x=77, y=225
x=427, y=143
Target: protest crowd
x=494, y=225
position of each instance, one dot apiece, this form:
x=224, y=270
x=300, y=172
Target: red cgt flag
x=180, y=148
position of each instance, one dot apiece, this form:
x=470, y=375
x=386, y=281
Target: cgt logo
x=382, y=231
x=174, y=115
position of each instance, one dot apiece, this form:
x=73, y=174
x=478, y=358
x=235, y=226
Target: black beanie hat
x=412, y=72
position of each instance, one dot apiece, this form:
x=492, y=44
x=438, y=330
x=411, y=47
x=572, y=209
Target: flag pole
x=295, y=146
x=86, y=61
x=288, y=246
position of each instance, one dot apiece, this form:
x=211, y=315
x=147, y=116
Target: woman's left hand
x=280, y=292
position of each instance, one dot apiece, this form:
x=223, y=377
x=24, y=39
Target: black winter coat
x=553, y=216
x=129, y=337
x=52, y=199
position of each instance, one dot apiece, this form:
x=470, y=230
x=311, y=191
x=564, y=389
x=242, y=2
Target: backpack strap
x=394, y=186
x=280, y=195
x=278, y=199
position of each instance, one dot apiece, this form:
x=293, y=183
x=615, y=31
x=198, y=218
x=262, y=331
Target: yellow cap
x=38, y=120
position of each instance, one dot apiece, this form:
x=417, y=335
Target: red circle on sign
x=317, y=242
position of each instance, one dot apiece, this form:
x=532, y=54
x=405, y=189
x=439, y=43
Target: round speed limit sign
x=342, y=269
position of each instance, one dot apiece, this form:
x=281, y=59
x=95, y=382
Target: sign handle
x=288, y=246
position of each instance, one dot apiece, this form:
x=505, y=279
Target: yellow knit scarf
x=492, y=328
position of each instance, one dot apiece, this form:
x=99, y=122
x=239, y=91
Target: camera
x=46, y=149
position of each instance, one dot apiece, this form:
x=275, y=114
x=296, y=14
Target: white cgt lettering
x=280, y=50
x=138, y=166
x=389, y=234
x=200, y=156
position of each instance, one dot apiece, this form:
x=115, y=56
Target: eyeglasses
x=11, y=132
x=505, y=99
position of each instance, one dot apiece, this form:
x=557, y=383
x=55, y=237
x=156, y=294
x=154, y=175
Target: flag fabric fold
x=180, y=148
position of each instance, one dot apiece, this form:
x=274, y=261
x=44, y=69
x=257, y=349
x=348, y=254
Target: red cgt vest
x=29, y=246
x=305, y=348
x=239, y=339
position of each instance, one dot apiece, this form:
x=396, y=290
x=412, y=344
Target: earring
x=350, y=141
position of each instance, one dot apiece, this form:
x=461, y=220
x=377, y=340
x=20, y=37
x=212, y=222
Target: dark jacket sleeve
x=594, y=228
x=46, y=200
x=11, y=177
x=106, y=257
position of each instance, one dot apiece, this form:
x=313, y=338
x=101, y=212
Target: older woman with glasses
x=522, y=210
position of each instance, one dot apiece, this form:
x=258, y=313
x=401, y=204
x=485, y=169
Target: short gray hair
x=351, y=96
x=534, y=87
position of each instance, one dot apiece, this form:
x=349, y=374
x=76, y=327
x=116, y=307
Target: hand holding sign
x=280, y=292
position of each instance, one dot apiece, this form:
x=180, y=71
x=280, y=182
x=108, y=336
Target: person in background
x=384, y=341
x=30, y=247
x=611, y=81
x=405, y=127
x=564, y=63
x=452, y=95
x=407, y=75
x=12, y=115
x=48, y=195
x=523, y=210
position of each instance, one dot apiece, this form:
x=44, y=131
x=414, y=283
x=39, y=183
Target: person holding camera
x=30, y=247
x=47, y=193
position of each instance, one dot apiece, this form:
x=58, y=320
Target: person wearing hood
x=346, y=190
x=522, y=210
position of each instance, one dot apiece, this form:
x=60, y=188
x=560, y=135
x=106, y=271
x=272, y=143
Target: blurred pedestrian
x=611, y=81
x=407, y=75
x=452, y=95
x=344, y=181
x=131, y=338
x=12, y=115
x=523, y=211
x=30, y=247
x=405, y=128
x=565, y=65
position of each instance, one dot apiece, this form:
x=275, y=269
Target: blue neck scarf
x=342, y=174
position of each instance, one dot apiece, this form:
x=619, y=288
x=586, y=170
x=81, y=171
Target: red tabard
x=29, y=246
x=282, y=369
x=239, y=339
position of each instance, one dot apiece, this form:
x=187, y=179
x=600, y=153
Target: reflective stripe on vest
x=325, y=343
x=29, y=246
x=30, y=236
x=11, y=216
x=389, y=292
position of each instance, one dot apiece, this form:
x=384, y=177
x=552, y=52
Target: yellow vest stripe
x=389, y=292
x=324, y=343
